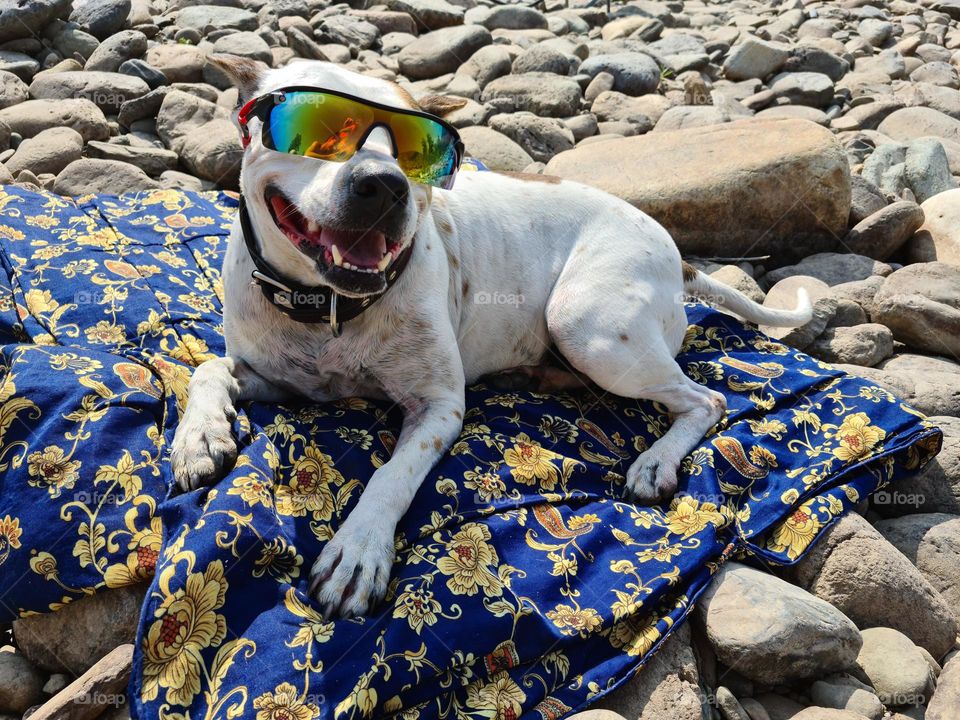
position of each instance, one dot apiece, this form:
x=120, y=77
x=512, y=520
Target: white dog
x=583, y=272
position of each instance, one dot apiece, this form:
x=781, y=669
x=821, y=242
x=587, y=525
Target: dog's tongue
x=363, y=249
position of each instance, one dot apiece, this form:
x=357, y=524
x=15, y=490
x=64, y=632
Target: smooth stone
x=13, y=90
x=200, y=17
x=895, y=667
x=440, y=51
x=884, y=233
x=429, y=14
x=921, y=304
x=541, y=138
x=178, y=63
x=634, y=73
x=116, y=49
x=107, y=90
x=754, y=58
x=928, y=169
x=866, y=344
x=832, y=268
x=486, y=64
x=946, y=698
x=507, y=17
x=803, y=88
x=939, y=236
x=914, y=122
x=866, y=199
x=21, y=684
x=844, y=697
x=494, y=149
x=153, y=161
x=140, y=69
x=27, y=18
x=49, y=151
x=543, y=94
x=101, y=18
x=542, y=59
x=111, y=177
x=929, y=384
x=202, y=135
x=33, y=116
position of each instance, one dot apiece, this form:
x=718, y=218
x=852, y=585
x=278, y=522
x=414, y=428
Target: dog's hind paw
x=352, y=573
x=652, y=478
x=203, y=449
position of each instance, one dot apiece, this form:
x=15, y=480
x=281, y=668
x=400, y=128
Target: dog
x=590, y=277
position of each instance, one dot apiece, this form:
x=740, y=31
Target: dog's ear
x=244, y=73
x=440, y=105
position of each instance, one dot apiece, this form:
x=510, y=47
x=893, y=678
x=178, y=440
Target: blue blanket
x=525, y=586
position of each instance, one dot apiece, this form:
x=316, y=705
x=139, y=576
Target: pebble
x=895, y=667
x=34, y=116
x=541, y=138
x=115, y=50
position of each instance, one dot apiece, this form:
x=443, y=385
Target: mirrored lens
x=426, y=150
x=318, y=125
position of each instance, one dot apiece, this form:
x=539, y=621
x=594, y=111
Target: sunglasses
x=333, y=126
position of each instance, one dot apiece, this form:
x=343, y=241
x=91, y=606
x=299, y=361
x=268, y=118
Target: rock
x=927, y=169
x=937, y=73
x=541, y=138
x=429, y=14
x=199, y=17
x=867, y=579
x=779, y=707
x=803, y=88
x=771, y=631
x=353, y=32
x=735, y=277
x=642, y=113
x=179, y=63
x=754, y=710
x=440, y=51
x=735, y=204
x=819, y=713
x=929, y=384
x=844, y=697
x=633, y=73
x=27, y=18
x=883, y=233
x=645, y=28
x=866, y=344
x=486, y=64
x=152, y=160
x=34, y=116
x=601, y=83
x=832, y=268
x=931, y=541
x=202, y=135
x=509, y=17
x=729, y=707
x=946, y=698
x=895, y=667
x=13, y=90
x=245, y=44
x=593, y=714
x=101, y=18
x=92, y=693
x=921, y=304
x=55, y=683
x=21, y=65
x=754, y=58
x=668, y=687
x=861, y=292
x=111, y=177
x=939, y=236
x=540, y=93
x=875, y=31
x=116, y=49
x=21, y=684
x=684, y=116
x=49, y=151
x=542, y=58
x=107, y=90
x=140, y=69
x=866, y=199
x=915, y=122
x=495, y=150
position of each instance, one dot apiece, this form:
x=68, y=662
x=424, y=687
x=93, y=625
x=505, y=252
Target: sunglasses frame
x=260, y=107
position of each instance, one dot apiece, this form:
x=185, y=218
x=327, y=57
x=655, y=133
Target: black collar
x=309, y=303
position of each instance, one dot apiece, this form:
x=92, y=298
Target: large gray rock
x=199, y=17
x=34, y=116
x=21, y=684
x=202, y=134
x=916, y=122
x=883, y=233
x=803, y=88
x=110, y=177
x=508, y=17
x=932, y=542
x=946, y=698
x=773, y=632
x=75, y=637
x=929, y=384
x=494, y=149
x=116, y=50
x=179, y=63
x=738, y=203
x=541, y=138
x=26, y=18
x=153, y=161
x=442, y=51
x=866, y=344
x=754, y=58
x=107, y=90
x=101, y=18
x=486, y=64
x=668, y=687
x=846, y=697
x=47, y=152
x=13, y=90
x=543, y=94
x=832, y=268
x=895, y=667
x=920, y=303
x=429, y=14
x=939, y=237
x=634, y=73
x=865, y=577
x=928, y=169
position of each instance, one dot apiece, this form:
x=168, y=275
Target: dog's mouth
x=356, y=252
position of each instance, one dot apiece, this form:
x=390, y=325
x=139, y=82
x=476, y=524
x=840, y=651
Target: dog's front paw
x=202, y=448
x=652, y=478
x=351, y=575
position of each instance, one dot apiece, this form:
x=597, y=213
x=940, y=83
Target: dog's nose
x=379, y=189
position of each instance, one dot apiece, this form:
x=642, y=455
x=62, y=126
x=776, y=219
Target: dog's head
x=338, y=224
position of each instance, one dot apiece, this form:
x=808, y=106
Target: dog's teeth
x=337, y=257
x=384, y=261
x=312, y=227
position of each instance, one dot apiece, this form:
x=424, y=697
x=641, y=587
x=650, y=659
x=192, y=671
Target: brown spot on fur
x=423, y=445
x=445, y=226
x=532, y=177
x=437, y=444
x=466, y=288
x=454, y=262
x=243, y=72
x=689, y=271
x=406, y=97
x=458, y=415
x=624, y=337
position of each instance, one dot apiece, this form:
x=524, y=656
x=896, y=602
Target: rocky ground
x=784, y=144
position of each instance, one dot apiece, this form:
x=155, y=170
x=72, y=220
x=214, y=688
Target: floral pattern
x=525, y=584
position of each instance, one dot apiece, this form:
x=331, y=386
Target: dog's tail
x=715, y=293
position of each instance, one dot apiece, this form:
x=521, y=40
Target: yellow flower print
x=123, y=474
x=635, y=636
x=279, y=560
x=310, y=488
x=529, y=462
x=49, y=252
x=252, y=490
x=284, y=704
x=469, y=560
x=487, y=485
x=53, y=469
x=499, y=699
x=42, y=221
x=762, y=457
x=795, y=534
x=581, y=521
x=687, y=516
x=9, y=233
x=106, y=333
x=141, y=562
x=74, y=363
x=696, y=461
x=662, y=553
x=187, y=348
x=857, y=438
x=768, y=426
x=575, y=621
x=40, y=301
x=314, y=629
x=418, y=606
x=185, y=624
x=168, y=258
x=45, y=565
x=10, y=533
